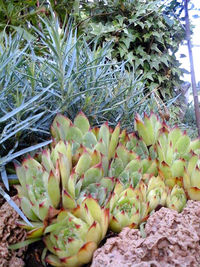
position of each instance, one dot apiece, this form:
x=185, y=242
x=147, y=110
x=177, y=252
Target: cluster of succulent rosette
x=92, y=179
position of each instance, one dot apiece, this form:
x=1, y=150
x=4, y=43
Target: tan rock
x=10, y=233
x=172, y=240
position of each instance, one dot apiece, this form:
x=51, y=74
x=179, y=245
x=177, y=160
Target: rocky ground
x=172, y=240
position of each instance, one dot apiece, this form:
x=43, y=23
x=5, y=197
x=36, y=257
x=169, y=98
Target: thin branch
x=193, y=80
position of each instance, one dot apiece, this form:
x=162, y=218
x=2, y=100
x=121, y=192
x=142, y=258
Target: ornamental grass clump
x=90, y=179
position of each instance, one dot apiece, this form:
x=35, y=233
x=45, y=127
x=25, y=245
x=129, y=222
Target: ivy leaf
x=148, y=24
x=160, y=79
x=164, y=59
x=161, y=25
x=96, y=29
x=120, y=19
x=141, y=24
x=139, y=50
x=138, y=62
x=155, y=64
x=149, y=75
x=126, y=41
x=122, y=49
x=176, y=71
x=155, y=48
x=152, y=86
x=185, y=71
x=147, y=58
x=157, y=34
x=133, y=19
x=130, y=33
x=130, y=57
x=147, y=36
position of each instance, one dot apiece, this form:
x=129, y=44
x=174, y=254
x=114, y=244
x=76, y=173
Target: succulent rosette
x=78, y=183
x=137, y=145
x=72, y=238
x=41, y=182
x=172, y=148
x=101, y=191
x=148, y=128
x=39, y=195
x=191, y=177
x=195, y=146
x=103, y=139
x=156, y=192
x=62, y=128
x=126, y=166
x=176, y=198
x=52, y=183
x=39, y=191
x=127, y=207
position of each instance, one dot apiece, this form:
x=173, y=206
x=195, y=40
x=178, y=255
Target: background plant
x=142, y=33
x=147, y=34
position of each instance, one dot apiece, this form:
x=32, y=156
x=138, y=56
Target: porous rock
x=10, y=233
x=172, y=240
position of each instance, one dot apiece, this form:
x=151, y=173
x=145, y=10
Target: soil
x=12, y=192
x=33, y=255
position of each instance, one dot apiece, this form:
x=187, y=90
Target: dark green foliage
x=144, y=33
x=141, y=34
